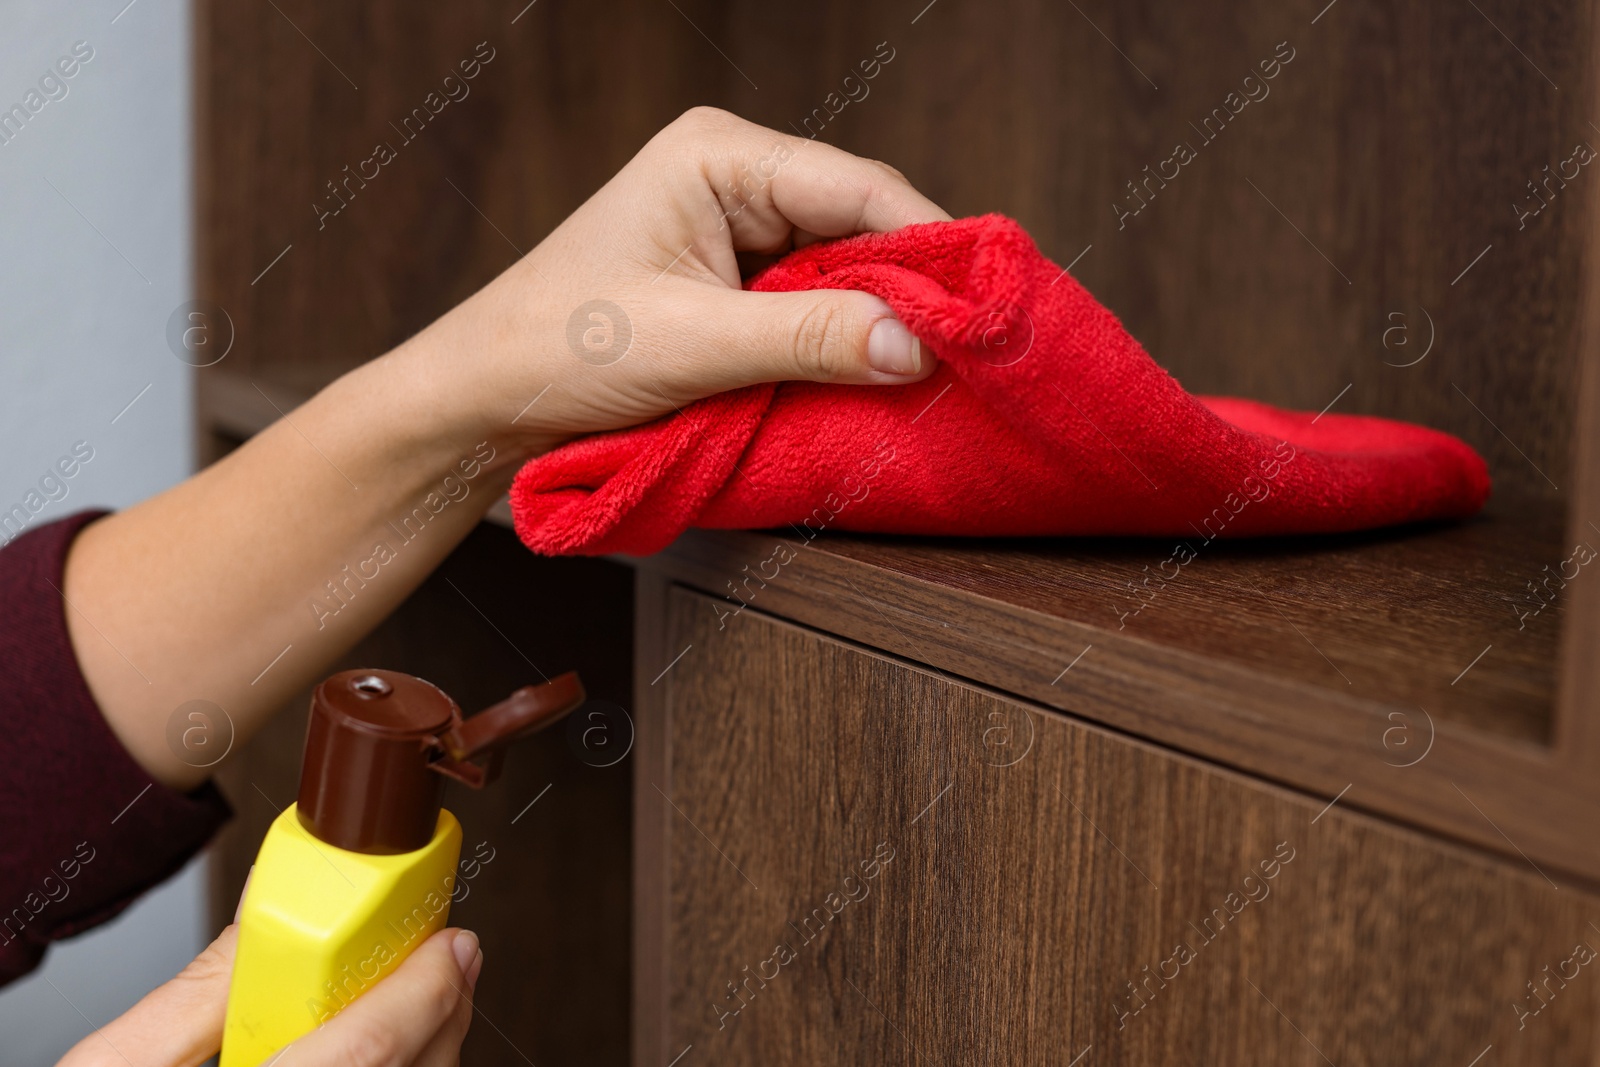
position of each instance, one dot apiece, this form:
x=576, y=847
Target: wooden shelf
x=1392, y=670
x=1338, y=666
x=1389, y=667
x=1421, y=616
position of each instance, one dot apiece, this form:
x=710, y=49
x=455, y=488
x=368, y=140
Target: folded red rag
x=1045, y=417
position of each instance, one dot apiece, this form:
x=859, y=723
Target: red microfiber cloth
x=1045, y=417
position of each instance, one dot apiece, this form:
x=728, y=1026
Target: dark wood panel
x=1218, y=670
x=652, y=820
x=1377, y=167
x=1393, y=143
x=1384, y=157
x=290, y=94
x=552, y=901
x=1578, y=729
x=1394, y=617
x=1387, y=157
x=1039, y=866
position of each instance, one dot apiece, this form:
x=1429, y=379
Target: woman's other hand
x=416, y=1017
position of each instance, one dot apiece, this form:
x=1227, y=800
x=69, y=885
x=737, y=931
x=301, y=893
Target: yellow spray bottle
x=360, y=869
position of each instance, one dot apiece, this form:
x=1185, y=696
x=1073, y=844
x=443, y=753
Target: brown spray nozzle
x=379, y=741
x=488, y=733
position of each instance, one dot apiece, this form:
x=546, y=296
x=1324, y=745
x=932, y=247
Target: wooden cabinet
x=1072, y=777
x=848, y=858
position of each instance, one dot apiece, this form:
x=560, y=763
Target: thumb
x=418, y=1014
x=822, y=335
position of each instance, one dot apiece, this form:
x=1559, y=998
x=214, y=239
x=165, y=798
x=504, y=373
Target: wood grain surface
x=1379, y=167
x=1033, y=622
x=1038, y=867
x=550, y=889
x=1320, y=239
x=1398, y=617
x=290, y=94
x=1351, y=240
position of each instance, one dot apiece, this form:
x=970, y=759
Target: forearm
x=245, y=583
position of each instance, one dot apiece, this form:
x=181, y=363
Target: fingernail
x=893, y=349
x=465, y=949
x=472, y=972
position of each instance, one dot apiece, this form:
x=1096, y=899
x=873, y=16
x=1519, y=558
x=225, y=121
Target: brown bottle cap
x=379, y=742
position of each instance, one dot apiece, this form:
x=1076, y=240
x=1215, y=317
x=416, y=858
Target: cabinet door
x=843, y=858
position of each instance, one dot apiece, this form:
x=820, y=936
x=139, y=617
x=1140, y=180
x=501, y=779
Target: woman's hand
x=416, y=1016
x=242, y=586
x=633, y=307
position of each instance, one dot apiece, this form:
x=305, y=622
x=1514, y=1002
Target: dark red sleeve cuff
x=86, y=829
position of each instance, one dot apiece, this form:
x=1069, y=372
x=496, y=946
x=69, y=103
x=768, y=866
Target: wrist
x=462, y=388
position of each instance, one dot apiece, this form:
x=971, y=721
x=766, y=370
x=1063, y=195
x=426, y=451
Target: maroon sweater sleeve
x=85, y=829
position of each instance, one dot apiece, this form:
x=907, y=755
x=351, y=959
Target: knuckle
x=704, y=119
x=821, y=341
x=209, y=966
x=893, y=172
x=460, y=1022
x=367, y=1045
x=442, y=1000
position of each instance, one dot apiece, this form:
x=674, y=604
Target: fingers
x=775, y=189
x=178, y=1024
x=663, y=240
x=445, y=1048
x=417, y=1015
x=828, y=192
x=824, y=335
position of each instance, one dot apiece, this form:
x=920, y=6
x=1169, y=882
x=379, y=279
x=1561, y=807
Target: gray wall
x=90, y=270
